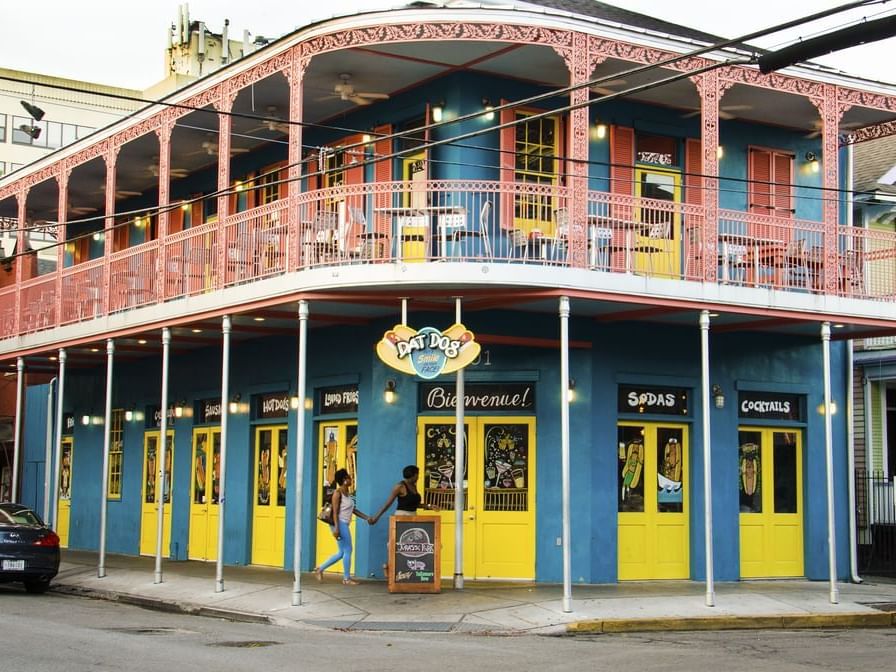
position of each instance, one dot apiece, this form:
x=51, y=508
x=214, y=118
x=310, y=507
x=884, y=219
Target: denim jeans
x=344, y=551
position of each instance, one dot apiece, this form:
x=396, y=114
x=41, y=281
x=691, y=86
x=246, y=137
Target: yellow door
x=269, y=509
x=499, y=480
x=338, y=449
x=656, y=242
x=771, y=502
x=63, y=508
x=204, y=492
x=152, y=475
x=652, y=495
x=412, y=228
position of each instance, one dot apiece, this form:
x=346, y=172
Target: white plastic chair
x=484, y=216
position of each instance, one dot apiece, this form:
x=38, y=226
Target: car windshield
x=19, y=517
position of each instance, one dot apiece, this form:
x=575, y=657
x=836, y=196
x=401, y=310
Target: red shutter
x=175, y=219
x=693, y=166
x=760, y=197
x=507, y=162
x=783, y=164
x=383, y=173
x=622, y=160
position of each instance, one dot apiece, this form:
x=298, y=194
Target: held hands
x=371, y=520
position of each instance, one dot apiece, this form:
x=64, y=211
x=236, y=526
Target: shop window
x=116, y=436
x=536, y=148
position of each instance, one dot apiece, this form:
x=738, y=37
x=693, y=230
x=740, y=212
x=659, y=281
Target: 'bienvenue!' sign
x=429, y=352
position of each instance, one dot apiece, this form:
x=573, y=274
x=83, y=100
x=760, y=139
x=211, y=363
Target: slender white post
x=48, y=451
x=162, y=449
x=17, y=432
x=300, y=455
x=707, y=457
x=564, y=452
x=459, y=471
x=222, y=477
x=60, y=393
x=829, y=460
x=107, y=437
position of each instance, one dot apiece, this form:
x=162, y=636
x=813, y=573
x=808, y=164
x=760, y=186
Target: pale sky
x=122, y=43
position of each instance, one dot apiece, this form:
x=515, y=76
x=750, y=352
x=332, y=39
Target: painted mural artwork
x=630, y=460
x=216, y=469
x=281, y=470
x=669, y=470
x=199, y=471
x=506, y=467
x=149, y=487
x=65, y=472
x=169, y=460
x=264, y=470
x=439, y=465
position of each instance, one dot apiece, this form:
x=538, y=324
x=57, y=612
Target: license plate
x=13, y=565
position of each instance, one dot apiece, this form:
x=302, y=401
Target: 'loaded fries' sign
x=429, y=352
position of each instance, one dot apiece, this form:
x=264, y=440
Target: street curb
x=167, y=606
x=786, y=622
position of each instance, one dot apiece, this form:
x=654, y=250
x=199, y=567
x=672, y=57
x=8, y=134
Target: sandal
x=319, y=575
x=350, y=582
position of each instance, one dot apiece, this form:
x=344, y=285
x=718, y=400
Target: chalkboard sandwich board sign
x=414, y=554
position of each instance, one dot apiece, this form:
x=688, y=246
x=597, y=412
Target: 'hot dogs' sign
x=429, y=352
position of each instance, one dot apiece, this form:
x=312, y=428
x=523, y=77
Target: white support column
x=107, y=437
x=564, y=453
x=458, y=469
x=222, y=477
x=60, y=394
x=163, y=445
x=17, y=431
x=829, y=461
x=299, y=470
x=710, y=599
x=48, y=451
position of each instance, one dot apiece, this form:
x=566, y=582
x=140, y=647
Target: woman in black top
x=407, y=495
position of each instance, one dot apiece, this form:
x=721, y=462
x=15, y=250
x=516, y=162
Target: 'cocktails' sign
x=429, y=352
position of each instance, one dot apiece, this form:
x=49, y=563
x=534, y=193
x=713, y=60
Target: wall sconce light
x=718, y=397
x=366, y=138
x=234, y=405
x=820, y=408
x=85, y=420
x=129, y=413
x=309, y=403
x=571, y=390
x=293, y=403
x=720, y=152
x=489, y=109
x=97, y=419
x=389, y=393
x=179, y=408
x=812, y=158
x=600, y=130
x=98, y=235
x=437, y=111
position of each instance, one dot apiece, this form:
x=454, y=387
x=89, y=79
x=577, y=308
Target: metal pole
x=564, y=452
x=222, y=477
x=48, y=451
x=829, y=460
x=459, y=470
x=17, y=433
x=163, y=445
x=300, y=455
x=60, y=393
x=107, y=437
x=851, y=454
x=710, y=599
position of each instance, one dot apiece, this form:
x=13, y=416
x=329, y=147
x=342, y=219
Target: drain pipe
x=60, y=393
x=459, y=439
x=301, y=391
x=161, y=453
x=222, y=456
x=17, y=440
x=48, y=453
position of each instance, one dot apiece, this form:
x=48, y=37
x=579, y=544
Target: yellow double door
x=152, y=497
x=64, y=495
x=337, y=449
x=770, y=487
x=499, y=492
x=269, y=495
x=202, y=543
x=652, y=501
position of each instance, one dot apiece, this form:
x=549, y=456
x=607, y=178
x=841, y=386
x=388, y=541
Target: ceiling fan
x=81, y=209
x=271, y=124
x=210, y=148
x=345, y=90
x=725, y=111
x=119, y=193
x=844, y=126
x=177, y=173
x=605, y=88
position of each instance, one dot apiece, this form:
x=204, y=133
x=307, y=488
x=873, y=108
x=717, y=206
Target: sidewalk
x=257, y=594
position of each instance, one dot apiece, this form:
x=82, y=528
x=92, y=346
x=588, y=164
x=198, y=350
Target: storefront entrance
x=269, y=508
x=652, y=492
x=204, y=494
x=63, y=508
x=499, y=487
x=337, y=449
x=771, y=502
x=152, y=476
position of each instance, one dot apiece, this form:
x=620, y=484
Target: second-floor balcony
x=461, y=221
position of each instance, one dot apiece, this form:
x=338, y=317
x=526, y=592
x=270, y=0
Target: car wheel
x=38, y=586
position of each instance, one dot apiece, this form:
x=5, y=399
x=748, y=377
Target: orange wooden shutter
x=175, y=219
x=760, y=197
x=507, y=163
x=622, y=160
x=693, y=165
x=783, y=203
x=383, y=173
